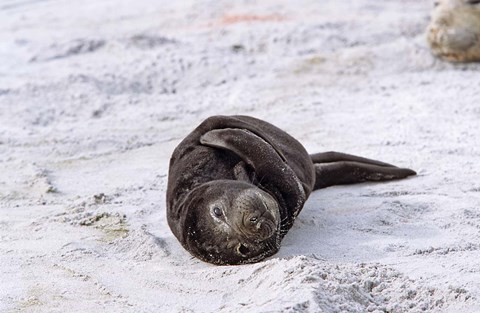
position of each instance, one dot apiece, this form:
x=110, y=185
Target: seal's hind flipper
x=351, y=172
x=332, y=156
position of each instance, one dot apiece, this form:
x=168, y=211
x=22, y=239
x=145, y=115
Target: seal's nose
x=253, y=220
x=260, y=224
x=256, y=219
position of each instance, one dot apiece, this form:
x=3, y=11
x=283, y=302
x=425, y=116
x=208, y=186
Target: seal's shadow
x=358, y=223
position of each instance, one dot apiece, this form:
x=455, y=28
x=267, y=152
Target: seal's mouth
x=242, y=249
x=251, y=253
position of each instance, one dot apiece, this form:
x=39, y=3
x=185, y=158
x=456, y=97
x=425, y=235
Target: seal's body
x=454, y=30
x=237, y=183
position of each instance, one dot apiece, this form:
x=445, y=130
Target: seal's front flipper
x=252, y=149
x=241, y=173
x=351, y=172
x=268, y=164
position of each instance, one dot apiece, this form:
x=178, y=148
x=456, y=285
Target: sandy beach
x=95, y=95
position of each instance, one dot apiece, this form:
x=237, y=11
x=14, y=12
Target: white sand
x=94, y=96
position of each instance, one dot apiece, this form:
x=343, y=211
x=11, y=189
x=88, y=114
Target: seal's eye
x=253, y=219
x=217, y=211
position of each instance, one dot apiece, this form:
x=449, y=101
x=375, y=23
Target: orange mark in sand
x=234, y=19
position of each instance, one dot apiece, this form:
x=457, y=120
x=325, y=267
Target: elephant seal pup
x=237, y=183
x=454, y=30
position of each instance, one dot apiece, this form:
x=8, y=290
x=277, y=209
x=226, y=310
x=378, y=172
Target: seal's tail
x=335, y=168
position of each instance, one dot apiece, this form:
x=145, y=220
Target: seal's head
x=231, y=222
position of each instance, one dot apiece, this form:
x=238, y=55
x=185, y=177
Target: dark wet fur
x=241, y=151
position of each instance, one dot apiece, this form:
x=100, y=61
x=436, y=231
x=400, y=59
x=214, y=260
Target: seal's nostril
x=254, y=219
x=242, y=249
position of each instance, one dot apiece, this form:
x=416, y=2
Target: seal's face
x=231, y=222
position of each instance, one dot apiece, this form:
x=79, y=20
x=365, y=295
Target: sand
x=95, y=95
